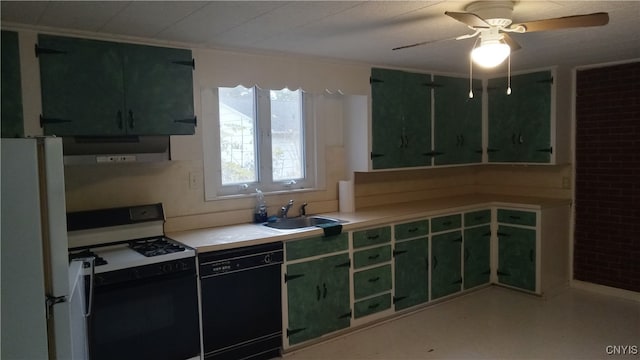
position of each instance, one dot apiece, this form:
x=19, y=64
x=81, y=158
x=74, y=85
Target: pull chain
x=509, y=75
x=470, y=78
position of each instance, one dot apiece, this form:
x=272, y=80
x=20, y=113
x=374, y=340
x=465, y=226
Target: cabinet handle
x=120, y=119
x=324, y=293
x=406, y=141
x=373, y=237
x=374, y=279
x=446, y=223
x=373, y=257
x=318, y=292
x=520, y=139
x=435, y=262
x=398, y=252
x=412, y=230
x=514, y=217
x=132, y=120
x=479, y=217
x=373, y=306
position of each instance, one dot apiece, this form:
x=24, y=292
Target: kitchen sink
x=301, y=222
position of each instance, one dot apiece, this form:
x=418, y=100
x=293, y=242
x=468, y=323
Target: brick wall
x=607, y=202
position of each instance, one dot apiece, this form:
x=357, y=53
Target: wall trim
x=605, y=290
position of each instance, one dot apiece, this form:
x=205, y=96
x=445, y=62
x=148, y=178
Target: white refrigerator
x=40, y=317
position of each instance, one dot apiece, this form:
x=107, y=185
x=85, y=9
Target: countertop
x=226, y=237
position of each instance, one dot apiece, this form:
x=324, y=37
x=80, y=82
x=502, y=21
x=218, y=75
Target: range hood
x=115, y=149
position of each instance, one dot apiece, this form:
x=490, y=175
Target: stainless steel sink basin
x=301, y=222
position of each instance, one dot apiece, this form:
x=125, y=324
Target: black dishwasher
x=241, y=302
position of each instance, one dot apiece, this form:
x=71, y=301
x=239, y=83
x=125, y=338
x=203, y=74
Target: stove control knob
x=166, y=268
x=267, y=258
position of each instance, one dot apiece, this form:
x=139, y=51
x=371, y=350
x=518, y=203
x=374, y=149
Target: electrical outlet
x=195, y=180
x=566, y=182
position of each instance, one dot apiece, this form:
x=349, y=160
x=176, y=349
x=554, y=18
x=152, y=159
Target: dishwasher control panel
x=226, y=261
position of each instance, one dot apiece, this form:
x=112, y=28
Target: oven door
x=151, y=318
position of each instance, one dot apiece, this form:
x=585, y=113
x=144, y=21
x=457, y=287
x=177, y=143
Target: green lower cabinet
x=477, y=256
x=446, y=274
x=372, y=281
x=411, y=273
x=372, y=305
x=517, y=257
x=318, y=297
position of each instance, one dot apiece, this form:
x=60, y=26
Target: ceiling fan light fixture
x=490, y=53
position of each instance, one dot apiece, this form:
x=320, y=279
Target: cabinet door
x=401, y=119
x=82, y=86
x=517, y=257
x=318, y=297
x=12, y=120
x=457, y=121
x=477, y=253
x=520, y=123
x=446, y=274
x=159, y=90
x=411, y=273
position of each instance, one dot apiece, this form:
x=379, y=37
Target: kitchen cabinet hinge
x=374, y=80
x=294, y=331
x=191, y=63
x=44, y=51
x=490, y=150
x=345, y=316
x=398, y=252
x=432, y=153
x=398, y=298
x=288, y=277
x=193, y=121
x=44, y=120
x=374, y=155
x=549, y=80
x=549, y=150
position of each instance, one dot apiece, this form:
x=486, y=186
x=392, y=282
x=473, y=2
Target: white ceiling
x=361, y=31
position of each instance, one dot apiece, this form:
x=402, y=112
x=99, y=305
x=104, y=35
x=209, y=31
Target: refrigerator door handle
x=91, y=260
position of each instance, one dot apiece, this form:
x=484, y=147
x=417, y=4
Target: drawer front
x=371, y=236
x=412, y=229
x=372, y=281
x=477, y=218
x=444, y=223
x=517, y=217
x=372, y=306
x=298, y=249
x=368, y=257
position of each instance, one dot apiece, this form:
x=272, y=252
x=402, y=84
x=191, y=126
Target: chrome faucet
x=285, y=209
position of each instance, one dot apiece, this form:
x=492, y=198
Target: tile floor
x=497, y=323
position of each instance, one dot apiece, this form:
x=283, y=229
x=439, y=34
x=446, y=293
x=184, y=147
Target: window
x=264, y=140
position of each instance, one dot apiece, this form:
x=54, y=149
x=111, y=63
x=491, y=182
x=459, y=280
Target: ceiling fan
x=492, y=21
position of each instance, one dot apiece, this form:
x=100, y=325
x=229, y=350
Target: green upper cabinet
x=520, y=123
x=401, y=119
x=12, y=119
x=446, y=267
x=411, y=259
x=457, y=121
x=318, y=297
x=99, y=88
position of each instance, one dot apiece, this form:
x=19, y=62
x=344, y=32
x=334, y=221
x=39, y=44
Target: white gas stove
x=124, y=238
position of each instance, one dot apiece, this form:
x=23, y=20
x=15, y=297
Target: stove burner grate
x=85, y=254
x=155, y=246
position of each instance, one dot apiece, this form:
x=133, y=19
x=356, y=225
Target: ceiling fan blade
x=421, y=43
x=469, y=19
x=512, y=43
x=595, y=19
